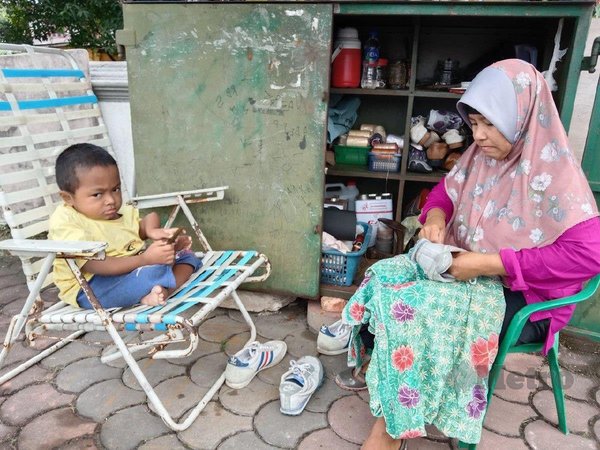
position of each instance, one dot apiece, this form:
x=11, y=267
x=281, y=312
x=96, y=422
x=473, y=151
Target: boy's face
x=99, y=193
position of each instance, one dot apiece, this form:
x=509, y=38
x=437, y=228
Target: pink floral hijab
x=539, y=191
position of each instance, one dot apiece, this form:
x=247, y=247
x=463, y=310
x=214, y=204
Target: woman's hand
x=159, y=252
x=467, y=265
x=434, y=228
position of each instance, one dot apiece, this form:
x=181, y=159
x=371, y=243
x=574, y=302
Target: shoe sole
x=297, y=412
x=246, y=383
x=332, y=352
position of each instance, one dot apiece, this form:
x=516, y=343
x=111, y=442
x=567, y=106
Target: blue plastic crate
x=338, y=268
x=384, y=162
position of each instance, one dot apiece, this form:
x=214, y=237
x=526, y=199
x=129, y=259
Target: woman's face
x=488, y=138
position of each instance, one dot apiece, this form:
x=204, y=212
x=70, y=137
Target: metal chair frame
x=508, y=345
x=67, y=102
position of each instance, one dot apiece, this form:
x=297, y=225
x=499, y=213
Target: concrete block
x=316, y=316
x=259, y=301
x=332, y=304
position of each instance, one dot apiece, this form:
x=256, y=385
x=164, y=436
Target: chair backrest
x=46, y=104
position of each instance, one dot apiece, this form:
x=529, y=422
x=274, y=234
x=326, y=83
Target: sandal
x=351, y=380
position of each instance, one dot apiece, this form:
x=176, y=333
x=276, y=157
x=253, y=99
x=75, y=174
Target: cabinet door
x=236, y=95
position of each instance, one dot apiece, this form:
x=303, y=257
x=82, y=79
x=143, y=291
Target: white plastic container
x=340, y=190
x=371, y=210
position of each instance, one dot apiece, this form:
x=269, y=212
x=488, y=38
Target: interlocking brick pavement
x=73, y=401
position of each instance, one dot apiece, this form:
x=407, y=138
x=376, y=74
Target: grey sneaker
x=299, y=383
x=245, y=364
x=334, y=339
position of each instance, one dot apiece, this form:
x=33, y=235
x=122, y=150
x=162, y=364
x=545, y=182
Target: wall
x=109, y=81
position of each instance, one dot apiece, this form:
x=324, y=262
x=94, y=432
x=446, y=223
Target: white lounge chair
x=46, y=104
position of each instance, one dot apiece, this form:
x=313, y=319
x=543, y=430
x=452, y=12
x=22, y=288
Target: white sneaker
x=298, y=384
x=334, y=339
x=245, y=364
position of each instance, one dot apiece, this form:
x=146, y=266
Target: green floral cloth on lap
x=434, y=345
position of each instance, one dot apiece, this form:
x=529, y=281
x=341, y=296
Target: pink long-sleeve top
x=553, y=271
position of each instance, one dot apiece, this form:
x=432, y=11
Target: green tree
x=89, y=23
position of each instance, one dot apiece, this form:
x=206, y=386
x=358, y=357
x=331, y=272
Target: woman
x=520, y=205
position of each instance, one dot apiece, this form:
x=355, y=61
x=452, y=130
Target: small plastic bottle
x=370, y=58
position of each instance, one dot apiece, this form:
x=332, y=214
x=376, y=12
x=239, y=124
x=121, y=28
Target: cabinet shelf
x=344, y=292
x=360, y=171
x=396, y=93
x=345, y=170
x=383, y=92
x=432, y=177
x=436, y=94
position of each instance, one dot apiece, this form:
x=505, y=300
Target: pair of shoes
x=351, y=379
x=421, y=135
x=417, y=161
x=418, y=133
x=334, y=339
x=299, y=383
x=451, y=160
x=453, y=139
x=245, y=364
x=436, y=154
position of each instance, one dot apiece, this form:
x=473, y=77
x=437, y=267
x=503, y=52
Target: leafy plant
x=87, y=23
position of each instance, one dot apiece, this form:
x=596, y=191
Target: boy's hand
x=159, y=252
x=183, y=243
x=157, y=234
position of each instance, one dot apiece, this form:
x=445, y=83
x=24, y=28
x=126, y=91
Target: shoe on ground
x=245, y=364
x=334, y=339
x=351, y=379
x=299, y=383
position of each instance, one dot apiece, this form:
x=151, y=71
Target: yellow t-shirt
x=66, y=224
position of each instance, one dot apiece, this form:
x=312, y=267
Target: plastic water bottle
x=370, y=58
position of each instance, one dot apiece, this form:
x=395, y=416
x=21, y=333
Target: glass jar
x=381, y=73
x=398, y=75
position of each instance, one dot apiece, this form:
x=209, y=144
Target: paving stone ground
x=73, y=401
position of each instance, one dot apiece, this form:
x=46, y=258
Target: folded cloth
x=342, y=114
x=434, y=259
x=329, y=242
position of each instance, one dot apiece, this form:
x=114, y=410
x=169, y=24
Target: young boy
x=89, y=183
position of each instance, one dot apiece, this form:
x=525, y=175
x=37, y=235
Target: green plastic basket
x=356, y=156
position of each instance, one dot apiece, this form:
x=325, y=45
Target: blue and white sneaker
x=245, y=364
x=299, y=383
x=334, y=339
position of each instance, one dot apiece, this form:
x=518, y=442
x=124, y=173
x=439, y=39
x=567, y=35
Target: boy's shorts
x=119, y=291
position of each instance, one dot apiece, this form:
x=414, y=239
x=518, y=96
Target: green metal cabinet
x=236, y=94
x=586, y=320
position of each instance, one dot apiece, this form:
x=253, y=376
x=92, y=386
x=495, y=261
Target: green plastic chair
x=508, y=346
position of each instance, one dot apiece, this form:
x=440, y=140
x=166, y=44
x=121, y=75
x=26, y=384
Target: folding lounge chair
x=34, y=100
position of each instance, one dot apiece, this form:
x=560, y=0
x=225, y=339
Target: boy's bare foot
x=379, y=439
x=157, y=296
